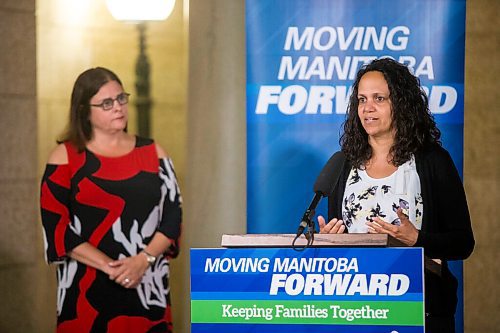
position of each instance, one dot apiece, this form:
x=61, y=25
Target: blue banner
x=282, y=290
x=302, y=57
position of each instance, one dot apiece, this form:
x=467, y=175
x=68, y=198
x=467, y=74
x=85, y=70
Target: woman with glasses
x=111, y=214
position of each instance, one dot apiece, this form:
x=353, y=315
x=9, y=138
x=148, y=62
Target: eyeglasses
x=107, y=104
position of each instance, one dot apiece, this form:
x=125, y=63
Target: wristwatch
x=150, y=258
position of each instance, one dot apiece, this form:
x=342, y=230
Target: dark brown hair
x=413, y=123
x=79, y=130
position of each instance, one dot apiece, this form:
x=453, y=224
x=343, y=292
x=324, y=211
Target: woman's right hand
x=129, y=270
x=335, y=226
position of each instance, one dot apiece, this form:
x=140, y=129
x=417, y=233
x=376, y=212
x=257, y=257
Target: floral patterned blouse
x=366, y=197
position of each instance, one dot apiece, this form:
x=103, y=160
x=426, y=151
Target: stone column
x=481, y=164
x=23, y=275
x=215, y=182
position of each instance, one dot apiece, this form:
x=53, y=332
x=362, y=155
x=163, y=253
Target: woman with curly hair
x=398, y=180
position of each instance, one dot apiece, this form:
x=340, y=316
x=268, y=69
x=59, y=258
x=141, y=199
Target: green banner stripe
x=304, y=312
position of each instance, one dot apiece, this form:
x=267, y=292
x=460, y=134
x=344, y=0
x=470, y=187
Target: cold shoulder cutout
x=58, y=155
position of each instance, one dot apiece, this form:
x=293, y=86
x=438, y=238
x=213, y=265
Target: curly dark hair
x=413, y=123
x=79, y=130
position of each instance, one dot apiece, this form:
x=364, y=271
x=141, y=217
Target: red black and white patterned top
x=116, y=204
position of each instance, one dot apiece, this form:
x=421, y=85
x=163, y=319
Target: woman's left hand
x=129, y=270
x=406, y=232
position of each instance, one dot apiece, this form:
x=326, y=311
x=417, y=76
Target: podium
x=342, y=283
x=322, y=240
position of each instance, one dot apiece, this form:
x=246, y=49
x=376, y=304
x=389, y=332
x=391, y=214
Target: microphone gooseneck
x=324, y=186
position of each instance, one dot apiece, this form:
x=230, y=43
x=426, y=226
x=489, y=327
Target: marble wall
x=20, y=291
x=482, y=164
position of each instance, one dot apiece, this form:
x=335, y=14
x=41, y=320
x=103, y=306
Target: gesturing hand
x=406, y=232
x=335, y=226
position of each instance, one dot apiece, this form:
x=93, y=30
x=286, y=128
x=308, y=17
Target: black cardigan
x=446, y=231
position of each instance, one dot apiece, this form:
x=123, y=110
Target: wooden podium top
x=320, y=240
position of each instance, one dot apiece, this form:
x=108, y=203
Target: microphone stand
x=324, y=185
x=308, y=223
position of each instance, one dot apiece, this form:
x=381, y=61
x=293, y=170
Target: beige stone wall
x=482, y=164
x=19, y=253
x=215, y=192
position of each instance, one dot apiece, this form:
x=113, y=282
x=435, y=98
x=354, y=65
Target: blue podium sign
x=321, y=289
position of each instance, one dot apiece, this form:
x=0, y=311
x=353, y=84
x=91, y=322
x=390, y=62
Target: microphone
x=325, y=184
